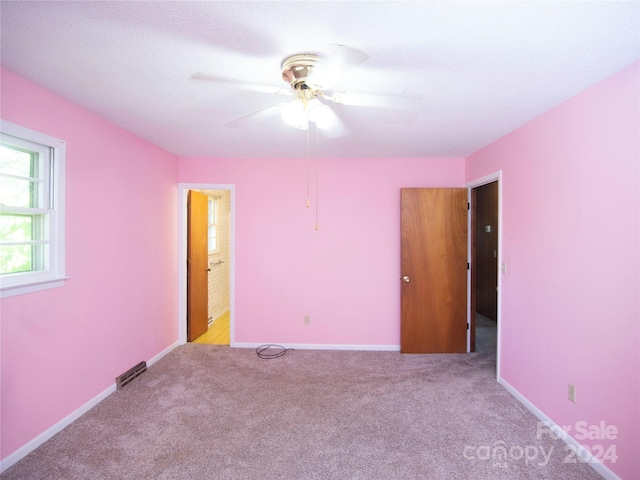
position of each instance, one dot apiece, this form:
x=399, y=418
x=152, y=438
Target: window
x=31, y=210
x=213, y=225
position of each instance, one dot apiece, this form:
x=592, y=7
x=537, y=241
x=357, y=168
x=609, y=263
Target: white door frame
x=478, y=182
x=183, y=192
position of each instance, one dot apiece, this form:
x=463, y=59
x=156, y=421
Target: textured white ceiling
x=480, y=68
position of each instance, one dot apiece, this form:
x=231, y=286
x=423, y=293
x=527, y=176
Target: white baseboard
x=162, y=353
x=593, y=462
x=313, y=346
x=30, y=446
x=50, y=432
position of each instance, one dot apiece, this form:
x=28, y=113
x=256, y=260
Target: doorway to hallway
x=486, y=260
x=219, y=230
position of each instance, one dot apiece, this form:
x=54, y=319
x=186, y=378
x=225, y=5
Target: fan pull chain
x=317, y=182
x=308, y=171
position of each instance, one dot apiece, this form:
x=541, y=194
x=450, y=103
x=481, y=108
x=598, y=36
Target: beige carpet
x=213, y=412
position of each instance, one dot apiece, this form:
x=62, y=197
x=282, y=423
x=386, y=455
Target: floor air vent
x=130, y=375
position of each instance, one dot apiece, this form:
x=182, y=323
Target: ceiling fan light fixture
x=319, y=113
x=294, y=114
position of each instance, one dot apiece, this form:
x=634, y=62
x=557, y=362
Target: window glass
x=14, y=161
x=213, y=225
x=31, y=208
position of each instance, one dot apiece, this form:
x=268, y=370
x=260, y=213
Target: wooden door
x=197, y=265
x=486, y=250
x=434, y=270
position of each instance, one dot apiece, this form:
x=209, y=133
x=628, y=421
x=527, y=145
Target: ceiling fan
x=313, y=79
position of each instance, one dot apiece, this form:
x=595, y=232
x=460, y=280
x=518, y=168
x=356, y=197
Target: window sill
x=30, y=287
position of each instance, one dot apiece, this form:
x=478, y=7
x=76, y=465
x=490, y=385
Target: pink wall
x=62, y=347
x=570, y=236
x=570, y=308
x=346, y=274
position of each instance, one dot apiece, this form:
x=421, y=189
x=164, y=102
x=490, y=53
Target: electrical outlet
x=307, y=319
x=572, y=393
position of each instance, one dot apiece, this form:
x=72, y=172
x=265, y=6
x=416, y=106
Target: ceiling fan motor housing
x=297, y=71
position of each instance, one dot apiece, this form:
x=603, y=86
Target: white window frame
x=53, y=274
x=216, y=214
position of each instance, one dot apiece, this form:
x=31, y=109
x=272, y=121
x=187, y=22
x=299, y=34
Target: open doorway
x=219, y=235
x=218, y=259
x=485, y=229
x=485, y=261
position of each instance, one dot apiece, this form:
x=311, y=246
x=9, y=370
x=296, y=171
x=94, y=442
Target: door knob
x=405, y=279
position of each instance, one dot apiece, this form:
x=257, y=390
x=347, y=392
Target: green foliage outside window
x=19, y=187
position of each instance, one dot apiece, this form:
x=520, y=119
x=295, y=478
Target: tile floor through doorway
x=218, y=332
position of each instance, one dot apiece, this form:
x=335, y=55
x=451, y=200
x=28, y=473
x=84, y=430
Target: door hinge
x=468, y=266
x=468, y=206
x=467, y=326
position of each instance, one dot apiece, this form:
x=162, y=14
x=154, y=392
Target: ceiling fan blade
x=334, y=66
x=397, y=102
x=346, y=56
x=247, y=85
x=259, y=115
x=335, y=127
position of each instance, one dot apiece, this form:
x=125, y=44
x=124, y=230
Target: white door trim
x=478, y=182
x=183, y=189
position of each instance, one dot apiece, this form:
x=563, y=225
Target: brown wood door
x=486, y=250
x=197, y=265
x=434, y=270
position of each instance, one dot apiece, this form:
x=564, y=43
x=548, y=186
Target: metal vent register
x=130, y=375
